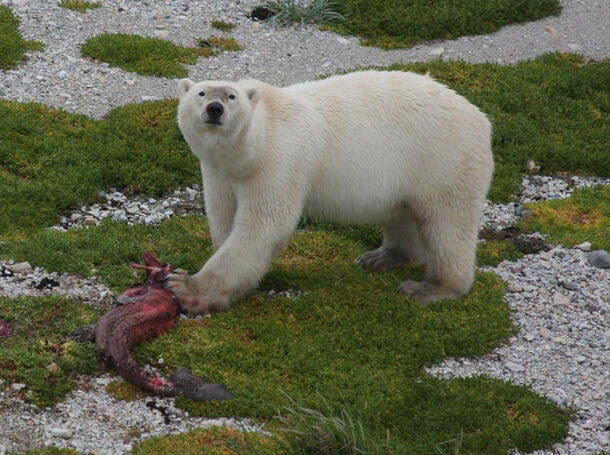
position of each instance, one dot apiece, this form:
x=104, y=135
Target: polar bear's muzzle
x=214, y=112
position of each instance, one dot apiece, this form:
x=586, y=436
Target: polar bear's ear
x=183, y=86
x=253, y=95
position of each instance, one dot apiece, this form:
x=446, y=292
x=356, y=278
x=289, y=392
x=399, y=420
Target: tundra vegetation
x=152, y=56
x=78, y=5
x=303, y=363
x=12, y=45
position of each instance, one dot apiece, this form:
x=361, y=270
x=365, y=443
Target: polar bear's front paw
x=426, y=291
x=185, y=288
x=381, y=259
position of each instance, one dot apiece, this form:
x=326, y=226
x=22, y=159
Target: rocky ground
x=560, y=300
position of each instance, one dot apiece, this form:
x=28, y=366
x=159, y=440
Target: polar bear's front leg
x=258, y=233
x=220, y=206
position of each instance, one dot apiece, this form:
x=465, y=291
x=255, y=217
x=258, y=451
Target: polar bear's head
x=215, y=107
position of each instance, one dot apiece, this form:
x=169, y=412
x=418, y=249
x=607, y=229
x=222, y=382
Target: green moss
x=216, y=44
x=151, y=56
x=50, y=450
x=401, y=23
x=213, y=441
x=492, y=252
x=148, y=56
x=124, y=391
x=350, y=332
x=224, y=26
x=51, y=160
x=12, y=44
x=584, y=217
x=78, y=5
x=39, y=324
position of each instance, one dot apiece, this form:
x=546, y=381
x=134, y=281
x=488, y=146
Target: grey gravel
x=562, y=308
x=560, y=299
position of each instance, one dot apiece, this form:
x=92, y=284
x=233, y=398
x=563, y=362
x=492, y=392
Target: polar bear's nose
x=214, y=110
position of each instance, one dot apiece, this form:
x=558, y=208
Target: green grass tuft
x=223, y=26
x=402, y=23
x=79, y=5
x=318, y=12
x=12, y=44
x=584, y=217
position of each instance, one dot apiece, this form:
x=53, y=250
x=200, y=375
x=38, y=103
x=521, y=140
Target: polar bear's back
x=389, y=134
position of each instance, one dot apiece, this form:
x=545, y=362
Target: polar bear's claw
x=186, y=291
x=381, y=259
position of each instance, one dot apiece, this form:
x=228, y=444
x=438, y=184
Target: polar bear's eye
x=231, y=97
x=202, y=94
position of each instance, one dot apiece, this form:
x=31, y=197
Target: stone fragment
x=18, y=386
x=63, y=433
x=514, y=367
x=584, y=246
x=436, y=52
x=599, y=259
x=559, y=299
x=21, y=267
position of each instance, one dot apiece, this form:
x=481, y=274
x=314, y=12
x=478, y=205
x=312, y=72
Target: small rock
x=530, y=244
x=63, y=433
x=546, y=255
x=584, y=246
x=437, y=52
x=560, y=300
x=514, y=367
x=568, y=285
x=537, y=180
x=18, y=386
x=21, y=267
x=45, y=283
x=261, y=13
x=514, y=288
x=597, y=258
x=544, y=332
x=89, y=221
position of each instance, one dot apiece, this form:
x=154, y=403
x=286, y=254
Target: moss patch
x=401, y=23
x=51, y=160
x=150, y=56
x=224, y=26
x=350, y=332
x=584, y=217
x=492, y=252
x=12, y=44
x=39, y=324
x=78, y=5
x=214, y=441
x=124, y=391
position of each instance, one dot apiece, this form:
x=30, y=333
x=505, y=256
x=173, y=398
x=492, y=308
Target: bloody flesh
x=148, y=310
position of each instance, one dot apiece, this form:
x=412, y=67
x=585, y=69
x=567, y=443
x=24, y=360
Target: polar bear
x=391, y=148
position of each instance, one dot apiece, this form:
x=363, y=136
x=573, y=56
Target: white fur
x=391, y=148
